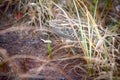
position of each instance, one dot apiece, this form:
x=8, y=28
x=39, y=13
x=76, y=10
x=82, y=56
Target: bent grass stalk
x=87, y=42
x=83, y=36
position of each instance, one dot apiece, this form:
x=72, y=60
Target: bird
x=61, y=33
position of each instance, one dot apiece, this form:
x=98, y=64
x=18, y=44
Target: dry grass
x=78, y=29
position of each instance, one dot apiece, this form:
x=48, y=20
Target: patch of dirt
x=20, y=44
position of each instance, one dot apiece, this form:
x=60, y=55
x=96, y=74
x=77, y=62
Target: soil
x=24, y=56
x=21, y=43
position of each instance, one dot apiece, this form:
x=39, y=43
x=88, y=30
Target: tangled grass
x=77, y=24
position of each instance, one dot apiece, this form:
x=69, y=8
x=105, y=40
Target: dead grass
x=77, y=28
